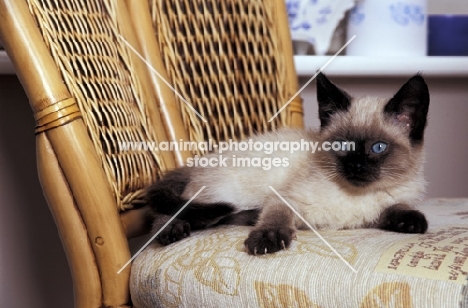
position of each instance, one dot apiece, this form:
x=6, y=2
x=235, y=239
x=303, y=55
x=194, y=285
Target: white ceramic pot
x=388, y=28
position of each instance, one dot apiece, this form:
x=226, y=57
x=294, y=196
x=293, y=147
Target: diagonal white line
x=162, y=228
x=159, y=75
x=313, y=229
x=313, y=77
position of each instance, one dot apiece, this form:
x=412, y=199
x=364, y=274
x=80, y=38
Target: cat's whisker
x=390, y=168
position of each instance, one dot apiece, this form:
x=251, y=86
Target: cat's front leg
x=274, y=230
x=402, y=218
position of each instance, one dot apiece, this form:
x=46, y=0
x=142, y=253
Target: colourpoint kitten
x=377, y=185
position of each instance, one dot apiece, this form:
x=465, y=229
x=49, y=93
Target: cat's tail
x=165, y=197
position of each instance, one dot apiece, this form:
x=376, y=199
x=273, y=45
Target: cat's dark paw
x=265, y=241
x=175, y=231
x=406, y=221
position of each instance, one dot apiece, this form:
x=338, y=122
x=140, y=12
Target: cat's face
x=385, y=137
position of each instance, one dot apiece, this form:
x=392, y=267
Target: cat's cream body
x=377, y=184
x=305, y=184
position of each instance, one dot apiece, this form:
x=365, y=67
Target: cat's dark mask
x=376, y=153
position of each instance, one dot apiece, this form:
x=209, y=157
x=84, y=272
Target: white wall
x=447, y=6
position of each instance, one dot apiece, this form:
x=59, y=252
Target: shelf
x=6, y=67
x=307, y=66
x=345, y=66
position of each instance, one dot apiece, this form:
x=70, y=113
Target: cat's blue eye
x=379, y=147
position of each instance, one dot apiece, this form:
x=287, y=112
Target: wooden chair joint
x=296, y=105
x=57, y=114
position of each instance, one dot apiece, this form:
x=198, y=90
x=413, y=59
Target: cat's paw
x=265, y=241
x=407, y=221
x=175, y=231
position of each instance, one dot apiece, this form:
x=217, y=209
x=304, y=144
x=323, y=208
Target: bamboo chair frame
x=78, y=189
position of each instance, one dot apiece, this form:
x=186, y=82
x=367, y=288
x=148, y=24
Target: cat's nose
x=355, y=167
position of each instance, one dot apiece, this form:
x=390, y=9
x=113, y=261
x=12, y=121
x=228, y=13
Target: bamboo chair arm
x=135, y=223
x=75, y=156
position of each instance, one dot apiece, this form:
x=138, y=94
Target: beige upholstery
x=212, y=269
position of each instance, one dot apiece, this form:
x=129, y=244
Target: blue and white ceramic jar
x=388, y=28
x=314, y=21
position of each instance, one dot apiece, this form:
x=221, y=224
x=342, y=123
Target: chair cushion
x=212, y=269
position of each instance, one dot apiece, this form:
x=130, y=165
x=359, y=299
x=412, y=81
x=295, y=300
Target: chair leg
x=86, y=280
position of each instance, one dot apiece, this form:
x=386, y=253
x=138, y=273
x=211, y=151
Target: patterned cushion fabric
x=212, y=269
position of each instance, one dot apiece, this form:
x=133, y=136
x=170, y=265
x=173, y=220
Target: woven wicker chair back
x=99, y=71
x=225, y=60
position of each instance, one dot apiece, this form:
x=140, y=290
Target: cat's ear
x=409, y=107
x=331, y=99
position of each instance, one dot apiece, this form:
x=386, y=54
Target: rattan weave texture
x=224, y=59
x=96, y=67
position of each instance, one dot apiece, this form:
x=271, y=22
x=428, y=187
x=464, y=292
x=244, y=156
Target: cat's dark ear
x=331, y=99
x=409, y=107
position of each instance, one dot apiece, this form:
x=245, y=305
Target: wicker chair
x=90, y=92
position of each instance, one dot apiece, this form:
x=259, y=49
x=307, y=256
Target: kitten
x=376, y=185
